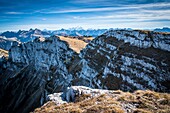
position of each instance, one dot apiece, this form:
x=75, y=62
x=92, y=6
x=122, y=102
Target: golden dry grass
x=74, y=43
x=3, y=53
x=137, y=102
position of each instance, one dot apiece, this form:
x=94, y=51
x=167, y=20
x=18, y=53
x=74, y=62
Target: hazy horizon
x=1, y=31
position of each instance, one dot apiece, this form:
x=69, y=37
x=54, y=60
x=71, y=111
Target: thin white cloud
x=76, y=17
x=123, y=7
x=151, y=5
x=136, y=13
x=120, y=8
x=87, y=1
x=17, y=13
x=14, y=13
x=166, y=12
x=44, y=19
x=92, y=2
x=85, y=10
x=137, y=16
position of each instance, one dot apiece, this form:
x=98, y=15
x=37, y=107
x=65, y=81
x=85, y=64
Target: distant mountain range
x=25, y=36
x=164, y=29
x=22, y=36
x=79, y=32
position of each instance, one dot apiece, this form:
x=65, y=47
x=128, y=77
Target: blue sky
x=56, y=14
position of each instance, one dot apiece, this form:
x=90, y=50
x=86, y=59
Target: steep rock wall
x=34, y=70
x=126, y=60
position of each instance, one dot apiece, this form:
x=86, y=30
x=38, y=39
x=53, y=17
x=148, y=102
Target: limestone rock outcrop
x=34, y=70
x=126, y=60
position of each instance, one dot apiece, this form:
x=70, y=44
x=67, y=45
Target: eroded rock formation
x=33, y=70
x=120, y=59
x=126, y=60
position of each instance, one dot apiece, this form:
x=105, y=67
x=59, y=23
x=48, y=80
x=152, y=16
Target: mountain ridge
x=121, y=59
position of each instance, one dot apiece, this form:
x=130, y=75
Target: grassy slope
x=74, y=43
x=3, y=53
x=118, y=102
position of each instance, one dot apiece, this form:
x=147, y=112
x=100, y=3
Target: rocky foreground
x=87, y=100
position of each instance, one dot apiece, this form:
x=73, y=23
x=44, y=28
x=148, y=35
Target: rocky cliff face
x=33, y=70
x=120, y=59
x=126, y=60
